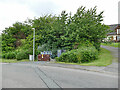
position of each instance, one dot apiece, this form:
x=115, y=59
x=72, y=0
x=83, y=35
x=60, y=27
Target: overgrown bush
x=80, y=55
x=69, y=56
x=23, y=54
x=3, y=55
x=54, y=53
x=87, y=54
x=9, y=55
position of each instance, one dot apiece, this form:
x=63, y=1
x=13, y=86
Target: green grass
x=13, y=60
x=105, y=59
x=111, y=45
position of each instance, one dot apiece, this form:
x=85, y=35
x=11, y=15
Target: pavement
x=115, y=62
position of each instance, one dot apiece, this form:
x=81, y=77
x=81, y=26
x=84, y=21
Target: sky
x=12, y=11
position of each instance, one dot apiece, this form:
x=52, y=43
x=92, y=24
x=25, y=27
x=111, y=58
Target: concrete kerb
x=82, y=68
x=87, y=68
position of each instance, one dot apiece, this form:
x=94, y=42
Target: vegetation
x=69, y=56
x=12, y=60
x=104, y=59
x=0, y=47
x=81, y=55
x=111, y=44
x=65, y=31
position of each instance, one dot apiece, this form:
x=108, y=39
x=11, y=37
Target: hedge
x=87, y=54
x=23, y=54
x=9, y=55
x=80, y=55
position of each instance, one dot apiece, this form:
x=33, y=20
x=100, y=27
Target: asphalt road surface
x=40, y=76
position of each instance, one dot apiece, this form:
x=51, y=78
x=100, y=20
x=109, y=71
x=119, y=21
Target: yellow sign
x=42, y=55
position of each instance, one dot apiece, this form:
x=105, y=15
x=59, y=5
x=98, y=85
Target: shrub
x=63, y=57
x=21, y=55
x=57, y=58
x=9, y=55
x=3, y=55
x=87, y=54
x=97, y=45
x=69, y=56
x=54, y=53
x=83, y=54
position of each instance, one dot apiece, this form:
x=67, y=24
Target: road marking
x=48, y=81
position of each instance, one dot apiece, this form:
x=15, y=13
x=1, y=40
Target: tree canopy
x=57, y=32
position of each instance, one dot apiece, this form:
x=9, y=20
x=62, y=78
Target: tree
x=86, y=26
x=57, y=32
x=11, y=37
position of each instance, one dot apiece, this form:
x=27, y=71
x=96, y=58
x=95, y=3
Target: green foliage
x=23, y=54
x=81, y=55
x=87, y=54
x=56, y=32
x=11, y=36
x=9, y=55
x=3, y=55
x=69, y=56
x=54, y=53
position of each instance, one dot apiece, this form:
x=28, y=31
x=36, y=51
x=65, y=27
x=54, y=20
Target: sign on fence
x=47, y=52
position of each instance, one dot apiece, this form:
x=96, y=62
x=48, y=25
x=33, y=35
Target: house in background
x=114, y=35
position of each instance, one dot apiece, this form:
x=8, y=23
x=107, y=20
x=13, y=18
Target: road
x=116, y=59
x=114, y=51
x=26, y=75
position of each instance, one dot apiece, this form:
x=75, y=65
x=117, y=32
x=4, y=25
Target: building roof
x=112, y=28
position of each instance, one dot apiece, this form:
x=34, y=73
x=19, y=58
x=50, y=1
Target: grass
x=112, y=44
x=13, y=60
x=105, y=59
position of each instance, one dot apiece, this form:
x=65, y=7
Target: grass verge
x=105, y=59
x=111, y=45
x=13, y=60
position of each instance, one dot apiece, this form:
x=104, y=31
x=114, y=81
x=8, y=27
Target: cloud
x=12, y=12
x=20, y=10
x=37, y=6
x=44, y=7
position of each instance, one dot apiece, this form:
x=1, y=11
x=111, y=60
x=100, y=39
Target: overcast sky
x=19, y=10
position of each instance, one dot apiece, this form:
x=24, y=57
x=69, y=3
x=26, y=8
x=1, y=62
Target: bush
x=97, y=45
x=21, y=55
x=3, y=55
x=9, y=55
x=57, y=58
x=87, y=54
x=54, y=53
x=69, y=56
x=83, y=54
